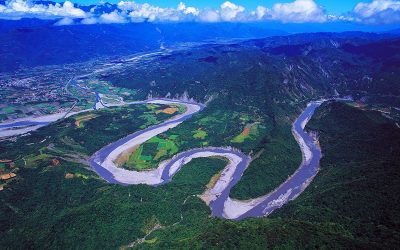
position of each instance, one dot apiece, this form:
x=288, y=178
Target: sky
x=365, y=12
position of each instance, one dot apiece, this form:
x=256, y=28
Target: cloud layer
x=378, y=11
x=298, y=11
x=17, y=9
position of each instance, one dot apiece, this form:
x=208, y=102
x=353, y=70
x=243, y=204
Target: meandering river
x=217, y=197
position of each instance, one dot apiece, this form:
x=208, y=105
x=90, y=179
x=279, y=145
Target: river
x=216, y=197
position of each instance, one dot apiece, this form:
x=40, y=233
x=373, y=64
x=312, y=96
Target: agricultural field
x=77, y=137
x=113, y=93
x=249, y=131
x=271, y=142
x=209, y=127
x=81, y=119
x=149, y=154
x=200, y=134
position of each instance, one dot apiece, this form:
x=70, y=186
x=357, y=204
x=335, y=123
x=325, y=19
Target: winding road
x=217, y=197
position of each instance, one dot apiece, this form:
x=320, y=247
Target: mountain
x=33, y=42
x=354, y=190
x=351, y=63
x=46, y=44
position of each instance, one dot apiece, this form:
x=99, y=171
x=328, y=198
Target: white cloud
x=125, y=6
x=67, y=9
x=187, y=10
x=23, y=8
x=89, y=20
x=334, y=18
x=231, y=12
x=112, y=17
x=378, y=11
x=147, y=12
x=209, y=15
x=260, y=12
x=299, y=11
x=64, y=21
x=228, y=11
x=370, y=9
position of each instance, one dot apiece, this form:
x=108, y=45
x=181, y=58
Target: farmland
x=151, y=152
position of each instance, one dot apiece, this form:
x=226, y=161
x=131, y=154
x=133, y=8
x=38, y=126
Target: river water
x=22, y=124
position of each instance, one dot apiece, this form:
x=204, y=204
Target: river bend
x=217, y=197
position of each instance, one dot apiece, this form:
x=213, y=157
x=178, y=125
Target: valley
x=206, y=133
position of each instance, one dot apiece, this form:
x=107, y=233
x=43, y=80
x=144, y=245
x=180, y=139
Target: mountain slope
x=356, y=188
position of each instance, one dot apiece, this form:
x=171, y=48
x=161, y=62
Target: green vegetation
x=270, y=141
x=350, y=204
x=46, y=211
x=279, y=157
x=8, y=109
x=111, y=92
x=80, y=119
x=249, y=131
x=66, y=139
x=256, y=88
x=199, y=134
x=151, y=152
x=32, y=161
x=246, y=86
x=356, y=189
x=149, y=118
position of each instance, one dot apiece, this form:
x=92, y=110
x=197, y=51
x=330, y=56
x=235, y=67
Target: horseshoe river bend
x=216, y=197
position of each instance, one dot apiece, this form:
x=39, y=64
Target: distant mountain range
x=33, y=42
x=364, y=65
